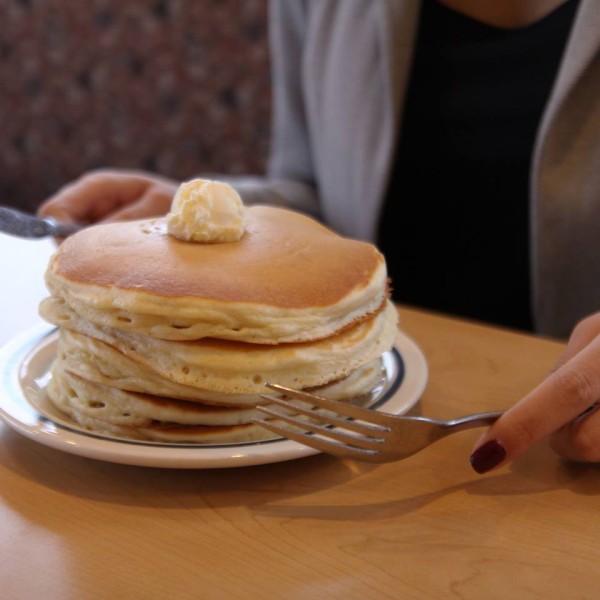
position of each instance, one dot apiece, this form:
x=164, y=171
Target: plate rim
x=23, y=348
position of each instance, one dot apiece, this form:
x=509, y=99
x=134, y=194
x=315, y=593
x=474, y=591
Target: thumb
x=154, y=202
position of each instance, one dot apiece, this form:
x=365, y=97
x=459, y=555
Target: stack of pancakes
x=173, y=341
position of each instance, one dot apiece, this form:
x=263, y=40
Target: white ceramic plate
x=24, y=372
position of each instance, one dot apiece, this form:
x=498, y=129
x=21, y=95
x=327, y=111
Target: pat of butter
x=206, y=211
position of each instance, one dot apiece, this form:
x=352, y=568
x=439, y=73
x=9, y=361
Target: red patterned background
x=177, y=87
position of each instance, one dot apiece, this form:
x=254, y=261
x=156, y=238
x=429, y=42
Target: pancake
x=288, y=279
x=100, y=363
x=67, y=400
x=241, y=368
x=173, y=341
x=135, y=409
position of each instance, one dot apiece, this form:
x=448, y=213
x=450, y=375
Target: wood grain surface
x=318, y=527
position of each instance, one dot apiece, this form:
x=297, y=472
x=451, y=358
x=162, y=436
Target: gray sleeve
x=275, y=192
x=290, y=176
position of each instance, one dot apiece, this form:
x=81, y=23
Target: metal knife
x=20, y=224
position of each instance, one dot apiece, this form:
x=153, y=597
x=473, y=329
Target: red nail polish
x=488, y=456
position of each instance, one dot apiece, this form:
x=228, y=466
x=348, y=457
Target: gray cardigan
x=340, y=68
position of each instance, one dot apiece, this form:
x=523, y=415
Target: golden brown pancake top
x=284, y=259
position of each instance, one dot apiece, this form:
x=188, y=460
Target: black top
x=455, y=225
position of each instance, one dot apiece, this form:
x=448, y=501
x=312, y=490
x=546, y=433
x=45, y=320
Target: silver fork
x=351, y=431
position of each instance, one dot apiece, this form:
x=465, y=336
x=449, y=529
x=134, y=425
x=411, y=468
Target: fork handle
x=472, y=421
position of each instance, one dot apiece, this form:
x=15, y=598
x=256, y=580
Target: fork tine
x=320, y=444
x=342, y=408
x=368, y=429
x=369, y=443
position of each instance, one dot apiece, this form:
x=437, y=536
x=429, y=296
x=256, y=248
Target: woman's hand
x=110, y=195
x=555, y=408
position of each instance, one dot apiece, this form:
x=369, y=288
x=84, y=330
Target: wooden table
x=318, y=527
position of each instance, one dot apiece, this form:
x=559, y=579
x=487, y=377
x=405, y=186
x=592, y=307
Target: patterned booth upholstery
x=177, y=87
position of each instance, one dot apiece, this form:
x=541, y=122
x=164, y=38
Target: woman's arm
x=291, y=169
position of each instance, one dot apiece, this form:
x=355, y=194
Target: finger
x=153, y=203
x=559, y=399
x=580, y=439
x=583, y=334
x=94, y=196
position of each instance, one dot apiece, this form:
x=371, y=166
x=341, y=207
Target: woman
x=371, y=134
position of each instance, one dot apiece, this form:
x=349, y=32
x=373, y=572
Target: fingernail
x=488, y=456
